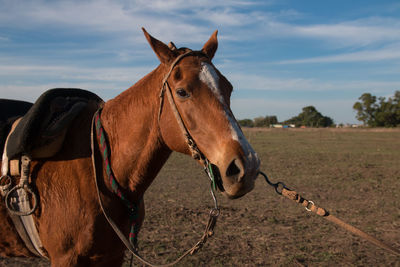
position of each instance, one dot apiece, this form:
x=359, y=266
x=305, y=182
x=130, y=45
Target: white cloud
x=107, y=82
x=128, y=74
x=353, y=33
x=168, y=20
x=101, y=16
x=358, y=33
x=176, y=5
x=32, y=92
x=262, y=82
x=378, y=87
x=387, y=53
x=228, y=17
x=177, y=19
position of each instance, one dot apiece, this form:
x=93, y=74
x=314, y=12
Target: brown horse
x=142, y=133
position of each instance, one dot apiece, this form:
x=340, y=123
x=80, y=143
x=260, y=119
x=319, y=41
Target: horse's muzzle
x=237, y=178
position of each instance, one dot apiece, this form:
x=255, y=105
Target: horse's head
x=200, y=95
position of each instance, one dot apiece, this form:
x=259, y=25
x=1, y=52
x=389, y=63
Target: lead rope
x=209, y=229
x=281, y=189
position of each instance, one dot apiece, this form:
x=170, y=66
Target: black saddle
x=42, y=129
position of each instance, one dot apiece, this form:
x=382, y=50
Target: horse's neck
x=131, y=123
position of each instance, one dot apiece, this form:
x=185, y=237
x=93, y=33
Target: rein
x=281, y=189
x=133, y=208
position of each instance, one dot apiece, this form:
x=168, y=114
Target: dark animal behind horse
x=10, y=110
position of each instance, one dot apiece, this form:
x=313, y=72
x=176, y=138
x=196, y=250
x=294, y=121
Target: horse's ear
x=211, y=46
x=164, y=54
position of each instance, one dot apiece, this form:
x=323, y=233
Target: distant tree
x=396, y=103
x=265, y=121
x=366, y=109
x=246, y=123
x=310, y=117
x=271, y=120
x=259, y=122
x=381, y=113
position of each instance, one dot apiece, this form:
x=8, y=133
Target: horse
x=142, y=131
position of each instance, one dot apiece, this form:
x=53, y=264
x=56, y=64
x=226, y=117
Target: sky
x=280, y=56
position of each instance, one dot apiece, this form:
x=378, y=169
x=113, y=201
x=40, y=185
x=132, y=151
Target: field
x=354, y=173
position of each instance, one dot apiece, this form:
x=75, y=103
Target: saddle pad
x=47, y=120
x=10, y=110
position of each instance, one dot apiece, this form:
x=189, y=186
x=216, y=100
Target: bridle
x=97, y=129
x=166, y=89
x=194, y=149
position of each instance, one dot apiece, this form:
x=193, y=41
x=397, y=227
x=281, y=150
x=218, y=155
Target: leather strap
x=18, y=204
x=310, y=206
x=281, y=189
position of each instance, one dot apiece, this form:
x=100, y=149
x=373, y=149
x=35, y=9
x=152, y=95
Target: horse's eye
x=182, y=93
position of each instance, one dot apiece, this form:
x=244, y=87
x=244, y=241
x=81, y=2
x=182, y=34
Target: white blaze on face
x=209, y=76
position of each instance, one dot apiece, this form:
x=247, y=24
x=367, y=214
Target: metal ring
x=215, y=212
x=277, y=190
x=309, y=203
x=29, y=192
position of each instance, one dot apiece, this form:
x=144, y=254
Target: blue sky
x=279, y=55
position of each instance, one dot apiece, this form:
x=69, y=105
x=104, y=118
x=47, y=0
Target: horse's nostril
x=233, y=169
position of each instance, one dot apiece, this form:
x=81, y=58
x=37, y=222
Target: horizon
x=280, y=56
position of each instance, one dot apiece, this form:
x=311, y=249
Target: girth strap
x=17, y=200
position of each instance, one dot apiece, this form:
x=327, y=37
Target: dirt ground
x=355, y=174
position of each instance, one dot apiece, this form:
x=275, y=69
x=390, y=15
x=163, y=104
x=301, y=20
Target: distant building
x=276, y=126
x=282, y=126
x=348, y=125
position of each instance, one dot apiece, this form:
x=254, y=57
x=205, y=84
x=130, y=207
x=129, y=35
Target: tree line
x=372, y=111
x=309, y=117
x=378, y=112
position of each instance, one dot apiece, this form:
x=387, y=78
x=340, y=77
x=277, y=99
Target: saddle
x=41, y=131
x=39, y=134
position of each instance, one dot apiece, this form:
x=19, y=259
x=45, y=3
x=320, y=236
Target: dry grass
x=353, y=173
